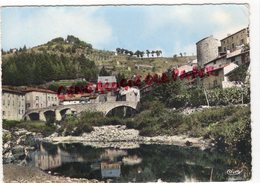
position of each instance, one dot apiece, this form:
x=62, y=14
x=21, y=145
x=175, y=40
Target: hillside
x=71, y=59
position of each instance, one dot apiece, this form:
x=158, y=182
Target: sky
x=172, y=29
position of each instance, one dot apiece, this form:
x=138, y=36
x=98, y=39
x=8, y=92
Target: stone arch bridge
x=57, y=112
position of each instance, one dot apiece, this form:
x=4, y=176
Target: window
x=242, y=41
x=28, y=105
x=51, y=98
x=37, y=97
x=3, y=113
x=48, y=97
x=3, y=102
x=8, y=102
x=233, y=45
x=214, y=62
x=225, y=49
x=233, y=59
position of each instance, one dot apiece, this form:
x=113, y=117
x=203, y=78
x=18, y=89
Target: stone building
x=105, y=83
x=215, y=79
x=218, y=77
x=40, y=98
x=130, y=94
x=207, y=50
x=233, y=41
x=239, y=56
x=218, y=62
x=13, y=104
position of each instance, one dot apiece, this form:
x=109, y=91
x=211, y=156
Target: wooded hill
x=72, y=58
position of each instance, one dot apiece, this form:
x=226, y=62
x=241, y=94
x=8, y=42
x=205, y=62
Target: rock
x=27, y=140
x=55, y=134
x=20, y=132
x=23, y=163
x=18, y=152
x=188, y=143
x=7, y=136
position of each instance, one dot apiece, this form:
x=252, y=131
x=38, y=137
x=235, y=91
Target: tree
x=24, y=48
x=103, y=72
x=157, y=53
x=138, y=53
x=141, y=54
x=181, y=54
x=147, y=53
x=118, y=50
x=153, y=52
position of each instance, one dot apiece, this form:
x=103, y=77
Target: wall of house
x=13, y=106
x=218, y=63
x=234, y=40
x=37, y=99
x=133, y=96
x=214, y=81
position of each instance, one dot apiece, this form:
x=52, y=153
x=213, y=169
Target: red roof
x=27, y=90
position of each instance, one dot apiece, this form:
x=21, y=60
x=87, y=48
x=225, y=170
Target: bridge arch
x=66, y=110
x=49, y=116
x=33, y=116
x=121, y=111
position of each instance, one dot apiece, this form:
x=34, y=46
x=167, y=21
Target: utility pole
x=206, y=96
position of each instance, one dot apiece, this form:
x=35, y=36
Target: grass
x=32, y=126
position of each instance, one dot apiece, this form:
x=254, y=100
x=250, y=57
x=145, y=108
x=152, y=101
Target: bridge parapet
x=104, y=107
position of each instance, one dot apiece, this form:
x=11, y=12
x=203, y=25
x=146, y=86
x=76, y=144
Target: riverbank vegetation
x=228, y=125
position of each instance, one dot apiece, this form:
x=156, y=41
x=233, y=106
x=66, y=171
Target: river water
x=145, y=163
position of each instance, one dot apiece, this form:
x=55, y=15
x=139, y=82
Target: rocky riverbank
x=120, y=137
x=15, y=174
x=19, y=143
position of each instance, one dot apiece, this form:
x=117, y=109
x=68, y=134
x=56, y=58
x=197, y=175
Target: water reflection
x=147, y=163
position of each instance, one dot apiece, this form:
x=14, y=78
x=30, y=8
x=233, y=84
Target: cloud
x=48, y=23
x=221, y=17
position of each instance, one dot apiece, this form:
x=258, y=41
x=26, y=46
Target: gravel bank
x=16, y=174
x=120, y=137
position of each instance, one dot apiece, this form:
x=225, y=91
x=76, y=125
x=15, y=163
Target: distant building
x=207, y=50
x=215, y=79
x=106, y=82
x=233, y=41
x=138, y=66
x=226, y=83
x=130, y=94
x=13, y=104
x=36, y=98
x=78, y=99
x=218, y=62
x=239, y=56
x=13, y=50
x=218, y=77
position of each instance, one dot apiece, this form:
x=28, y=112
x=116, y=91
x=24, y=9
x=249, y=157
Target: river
x=140, y=164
